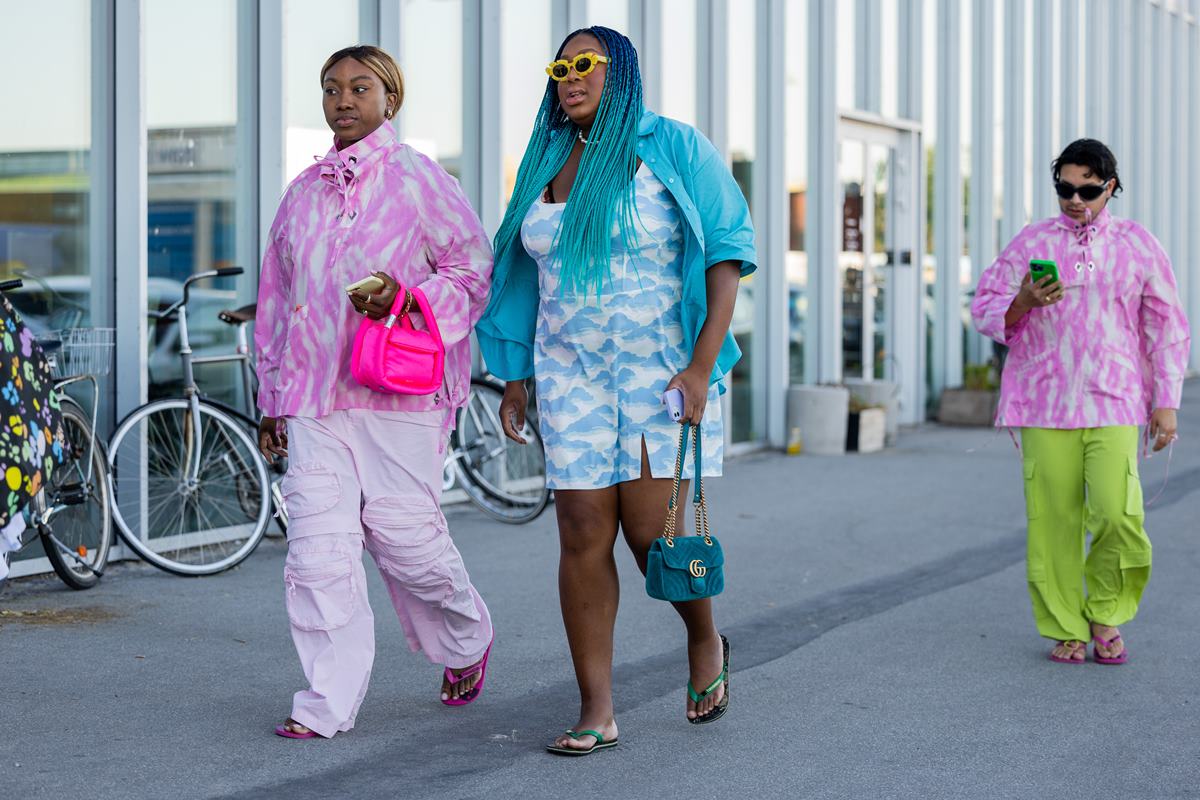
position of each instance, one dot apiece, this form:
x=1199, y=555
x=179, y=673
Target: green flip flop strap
x=577, y=735
x=712, y=687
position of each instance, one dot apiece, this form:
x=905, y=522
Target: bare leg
x=643, y=510
x=588, y=592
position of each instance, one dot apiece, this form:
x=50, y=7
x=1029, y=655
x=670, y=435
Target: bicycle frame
x=191, y=390
x=242, y=356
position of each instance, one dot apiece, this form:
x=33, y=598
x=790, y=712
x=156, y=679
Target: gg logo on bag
x=697, y=569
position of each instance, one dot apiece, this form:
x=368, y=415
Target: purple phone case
x=673, y=400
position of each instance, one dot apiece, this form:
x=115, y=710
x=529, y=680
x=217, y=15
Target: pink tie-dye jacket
x=1113, y=349
x=376, y=205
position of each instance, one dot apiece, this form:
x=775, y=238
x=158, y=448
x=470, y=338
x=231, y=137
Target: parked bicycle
x=71, y=515
x=505, y=480
x=193, y=495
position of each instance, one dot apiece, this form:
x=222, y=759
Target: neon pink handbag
x=390, y=355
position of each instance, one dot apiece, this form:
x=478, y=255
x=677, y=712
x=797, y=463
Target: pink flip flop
x=1061, y=660
x=1108, y=645
x=479, y=669
x=281, y=730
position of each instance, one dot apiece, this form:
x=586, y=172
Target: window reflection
x=966, y=87
x=678, y=80
x=192, y=182
x=851, y=174
x=313, y=29
x=526, y=49
x=45, y=170
x=609, y=13
x=432, y=59
x=889, y=41
x=847, y=53
x=741, y=127
x=796, y=169
x=929, y=75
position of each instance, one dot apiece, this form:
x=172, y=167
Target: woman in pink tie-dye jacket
x=365, y=468
x=1092, y=356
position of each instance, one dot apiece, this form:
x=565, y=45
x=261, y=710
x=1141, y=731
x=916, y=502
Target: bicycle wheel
x=190, y=499
x=76, y=504
x=506, y=480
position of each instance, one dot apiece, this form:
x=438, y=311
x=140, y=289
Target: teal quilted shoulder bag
x=682, y=568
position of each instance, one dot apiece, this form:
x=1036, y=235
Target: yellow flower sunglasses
x=583, y=64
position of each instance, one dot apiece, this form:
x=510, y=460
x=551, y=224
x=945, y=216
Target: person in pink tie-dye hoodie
x=365, y=467
x=1092, y=356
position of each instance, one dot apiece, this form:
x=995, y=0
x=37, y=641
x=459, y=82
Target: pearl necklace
x=581, y=136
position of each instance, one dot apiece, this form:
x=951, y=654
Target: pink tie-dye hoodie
x=1113, y=349
x=375, y=205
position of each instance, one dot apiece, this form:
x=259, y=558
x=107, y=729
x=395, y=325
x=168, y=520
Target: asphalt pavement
x=882, y=646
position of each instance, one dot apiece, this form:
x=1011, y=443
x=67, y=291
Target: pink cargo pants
x=359, y=477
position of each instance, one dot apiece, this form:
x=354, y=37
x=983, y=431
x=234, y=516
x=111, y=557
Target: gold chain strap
x=701, y=512
x=408, y=301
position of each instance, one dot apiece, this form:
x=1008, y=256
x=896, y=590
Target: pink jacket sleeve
x=271, y=317
x=1165, y=337
x=461, y=256
x=998, y=285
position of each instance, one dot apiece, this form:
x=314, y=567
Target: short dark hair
x=1092, y=154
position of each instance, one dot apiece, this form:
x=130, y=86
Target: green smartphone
x=1040, y=268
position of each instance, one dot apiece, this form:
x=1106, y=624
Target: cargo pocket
x=1133, y=490
x=310, y=490
x=1032, y=509
x=320, y=590
x=1135, y=559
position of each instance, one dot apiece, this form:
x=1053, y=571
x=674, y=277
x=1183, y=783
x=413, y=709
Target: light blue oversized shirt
x=717, y=228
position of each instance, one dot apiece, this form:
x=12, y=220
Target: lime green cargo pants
x=1080, y=481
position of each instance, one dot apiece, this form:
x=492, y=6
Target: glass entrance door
x=867, y=157
x=878, y=234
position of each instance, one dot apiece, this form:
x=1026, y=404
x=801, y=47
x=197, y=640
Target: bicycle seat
x=239, y=316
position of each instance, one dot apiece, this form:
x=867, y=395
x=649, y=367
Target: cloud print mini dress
x=601, y=364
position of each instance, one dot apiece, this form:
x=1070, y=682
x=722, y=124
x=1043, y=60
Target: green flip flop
x=721, y=707
x=573, y=751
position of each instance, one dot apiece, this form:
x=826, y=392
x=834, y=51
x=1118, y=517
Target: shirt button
x=670, y=180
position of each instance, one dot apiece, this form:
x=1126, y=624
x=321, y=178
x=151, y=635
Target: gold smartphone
x=369, y=285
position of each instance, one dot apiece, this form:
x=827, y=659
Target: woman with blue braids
x=617, y=267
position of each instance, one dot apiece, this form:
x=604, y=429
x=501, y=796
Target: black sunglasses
x=1087, y=192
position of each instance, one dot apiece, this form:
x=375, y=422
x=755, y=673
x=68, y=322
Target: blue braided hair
x=583, y=244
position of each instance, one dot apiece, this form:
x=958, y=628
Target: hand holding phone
x=673, y=400
x=367, y=285
x=1040, y=287
x=1040, y=268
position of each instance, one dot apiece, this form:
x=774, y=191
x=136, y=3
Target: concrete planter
x=820, y=412
x=976, y=407
x=880, y=393
x=865, y=430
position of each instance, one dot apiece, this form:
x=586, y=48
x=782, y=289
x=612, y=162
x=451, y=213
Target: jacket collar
x=1099, y=222
x=1085, y=231
x=647, y=123
x=365, y=150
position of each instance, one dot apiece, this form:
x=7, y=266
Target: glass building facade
x=888, y=150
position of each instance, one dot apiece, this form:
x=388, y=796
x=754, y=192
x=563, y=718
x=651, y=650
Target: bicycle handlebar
x=169, y=311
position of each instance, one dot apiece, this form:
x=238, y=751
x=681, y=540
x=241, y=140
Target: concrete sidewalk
x=882, y=646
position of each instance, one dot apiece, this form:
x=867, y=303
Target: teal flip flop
x=721, y=707
x=572, y=751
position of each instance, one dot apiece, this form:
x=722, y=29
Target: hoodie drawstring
x=341, y=176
